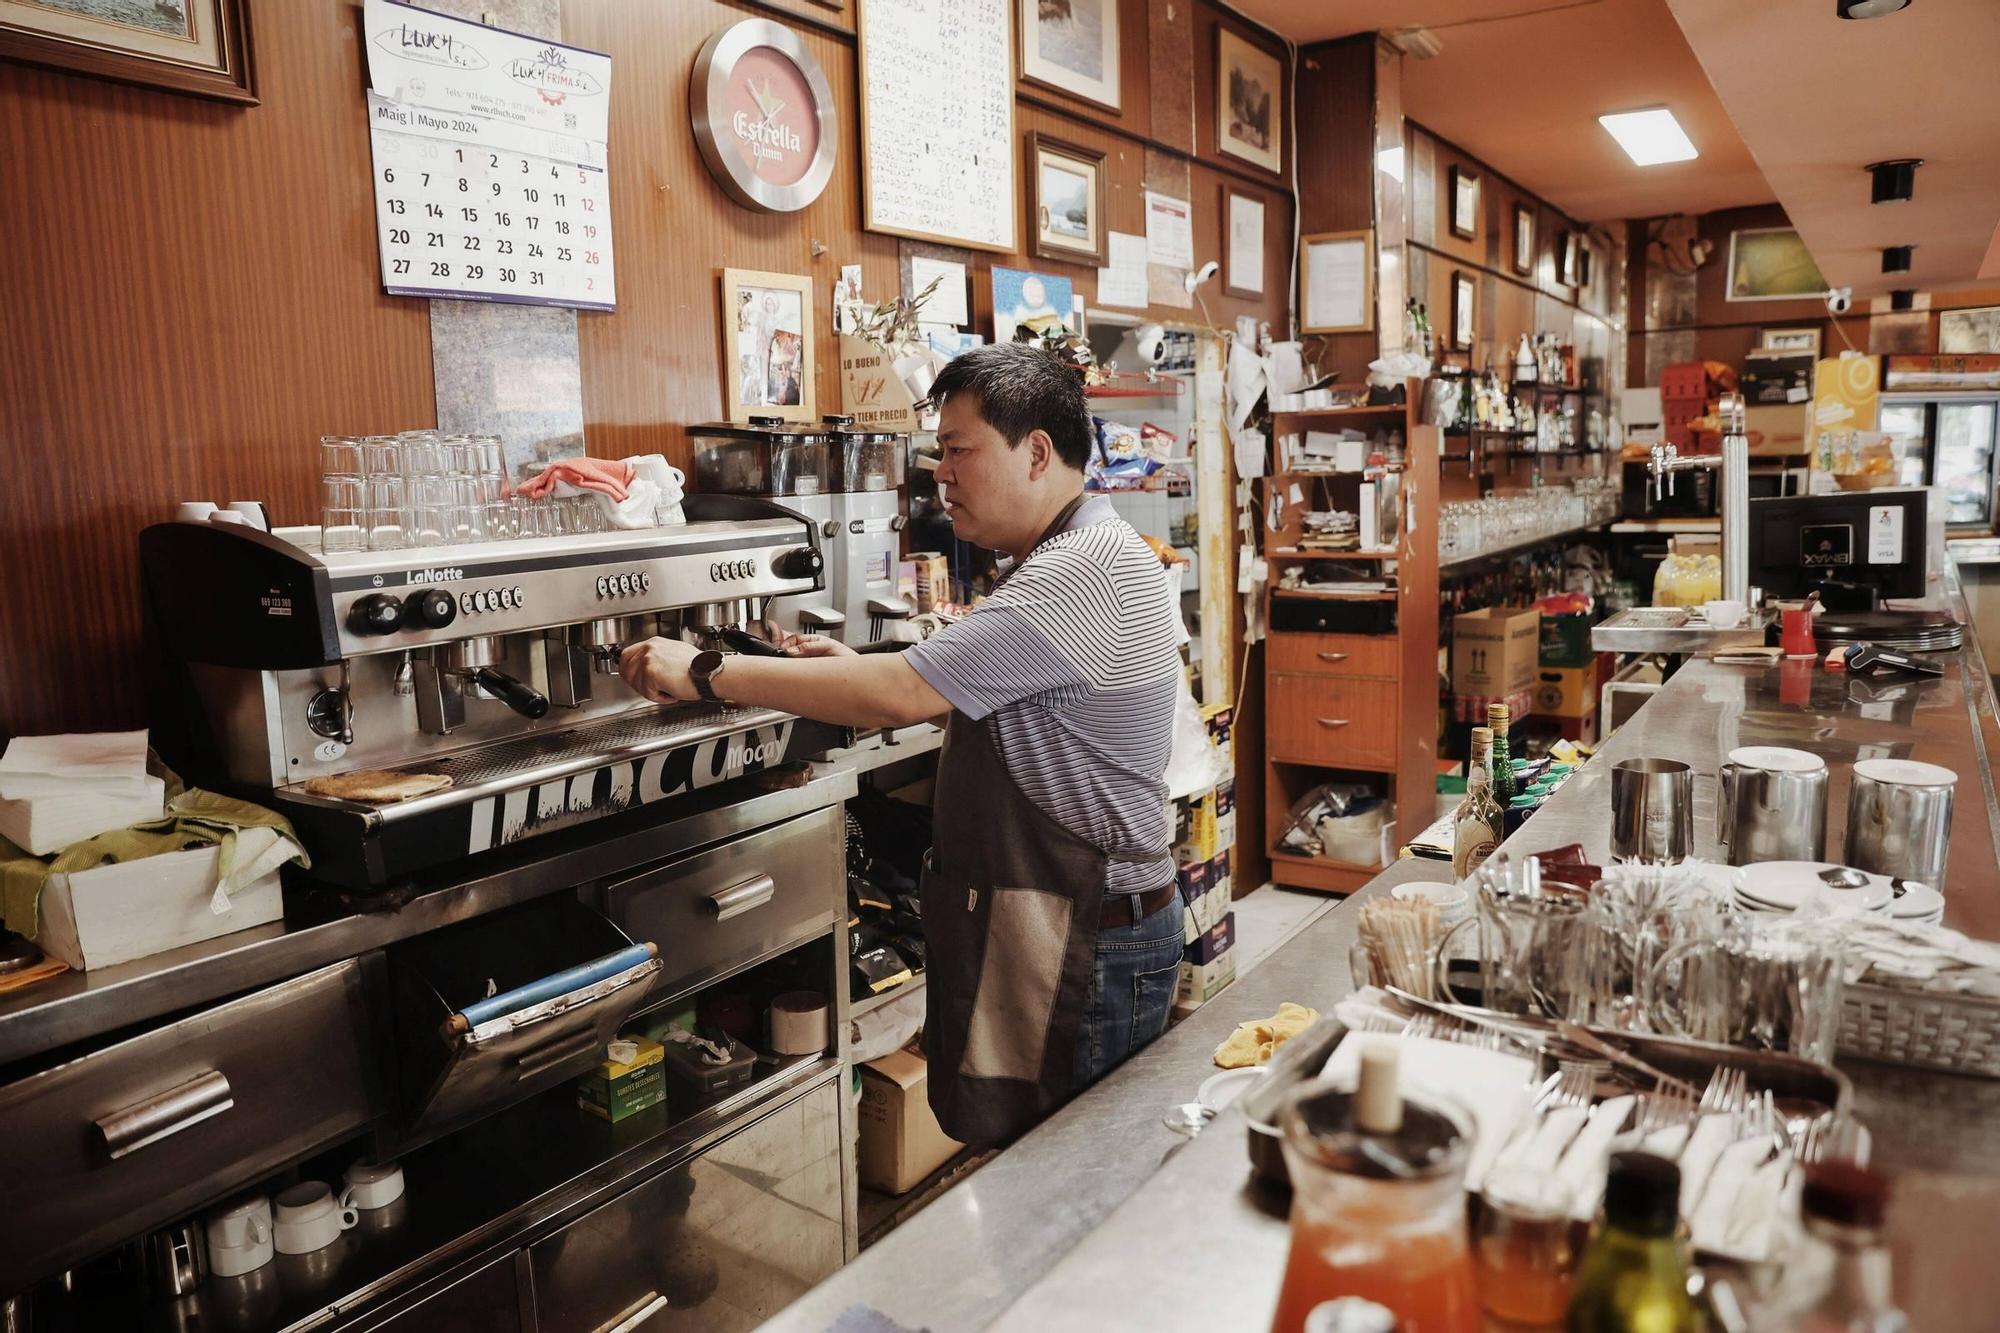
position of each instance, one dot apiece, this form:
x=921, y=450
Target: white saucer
x=1920, y=902
x=1786, y=886
x=1219, y=1090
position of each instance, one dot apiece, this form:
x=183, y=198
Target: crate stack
x=1204, y=834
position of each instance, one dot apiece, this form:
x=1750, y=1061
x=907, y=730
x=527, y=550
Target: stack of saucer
x=1787, y=886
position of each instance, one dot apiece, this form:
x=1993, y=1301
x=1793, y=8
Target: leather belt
x=1117, y=909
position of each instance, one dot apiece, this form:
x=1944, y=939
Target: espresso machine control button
x=377, y=613
x=429, y=608
x=466, y=604
x=645, y=582
x=801, y=562
x=603, y=587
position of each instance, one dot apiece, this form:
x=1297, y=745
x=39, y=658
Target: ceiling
x=1918, y=83
x=1520, y=84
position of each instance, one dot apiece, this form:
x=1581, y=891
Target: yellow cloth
x=194, y=818
x=1255, y=1042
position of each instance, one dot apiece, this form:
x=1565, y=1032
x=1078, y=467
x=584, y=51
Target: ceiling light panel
x=1650, y=136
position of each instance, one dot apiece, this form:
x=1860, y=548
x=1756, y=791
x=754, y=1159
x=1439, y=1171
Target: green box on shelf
x=1566, y=641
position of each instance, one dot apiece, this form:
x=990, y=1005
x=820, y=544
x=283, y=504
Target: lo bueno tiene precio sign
x=763, y=116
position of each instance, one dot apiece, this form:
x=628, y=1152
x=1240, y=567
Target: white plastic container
x=115, y=913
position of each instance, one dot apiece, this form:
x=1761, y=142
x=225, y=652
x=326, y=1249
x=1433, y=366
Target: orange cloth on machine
x=610, y=476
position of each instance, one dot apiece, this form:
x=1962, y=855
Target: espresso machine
x=408, y=707
x=844, y=479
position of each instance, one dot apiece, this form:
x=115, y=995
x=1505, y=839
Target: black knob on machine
x=801, y=562
x=377, y=613
x=430, y=608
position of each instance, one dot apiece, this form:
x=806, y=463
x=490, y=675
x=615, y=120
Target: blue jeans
x=1131, y=991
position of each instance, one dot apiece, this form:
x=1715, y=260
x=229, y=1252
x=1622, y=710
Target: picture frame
x=1023, y=296
x=1337, y=281
x=1569, y=248
x=1583, y=262
x=1072, y=47
x=1464, y=307
x=1970, y=331
x=1243, y=237
x=1463, y=203
x=1771, y=264
x=197, y=47
x=768, y=343
x=1794, y=340
x=1249, y=101
x=1065, y=200
x=1524, y=239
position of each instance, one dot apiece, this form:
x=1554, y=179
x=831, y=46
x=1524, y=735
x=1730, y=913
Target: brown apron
x=1011, y=902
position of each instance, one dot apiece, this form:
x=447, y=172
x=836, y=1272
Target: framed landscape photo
x=200, y=47
x=1464, y=298
x=1772, y=264
x=767, y=340
x=1524, y=239
x=1066, y=200
x=1249, y=108
x=1464, y=203
x=1072, y=46
x=1974, y=331
x=1243, y=249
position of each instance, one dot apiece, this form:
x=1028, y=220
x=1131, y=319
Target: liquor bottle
x=1412, y=336
x=1633, y=1276
x=1506, y=786
x=1840, y=1282
x=1424, y=330
x=1478, y=823
x=1525, y=371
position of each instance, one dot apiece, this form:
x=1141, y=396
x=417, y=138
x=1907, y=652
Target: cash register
x=1858, y=550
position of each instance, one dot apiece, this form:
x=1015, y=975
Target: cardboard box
x=872, y=386
x=1495, y=651
x=1470, y=709
x=1214, y=942
x=1776, y=378
x=1565, y=641
x=617, y=1089
x=1209, y=964
x=933, y=573
x=901, y=1141
x=1566, y=691
x=1198, y=843
x=1778, y=431
x=1216, y=902
x=114, y=913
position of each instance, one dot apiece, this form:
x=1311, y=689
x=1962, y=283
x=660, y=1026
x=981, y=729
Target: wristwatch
x=703, y=670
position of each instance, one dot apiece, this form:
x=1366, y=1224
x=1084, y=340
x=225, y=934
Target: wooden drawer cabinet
x=1328, y=720
x=1334, y=654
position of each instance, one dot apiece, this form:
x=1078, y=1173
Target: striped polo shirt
x=1076, y=658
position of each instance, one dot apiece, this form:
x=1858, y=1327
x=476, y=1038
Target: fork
x=1728, y=1089
x=1665, y=1107
x=1575, y=1085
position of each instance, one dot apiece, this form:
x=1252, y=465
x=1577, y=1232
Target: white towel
x=1584, y=1164
x=97, y=763
x=1704, y=1148
x=1712, y=1218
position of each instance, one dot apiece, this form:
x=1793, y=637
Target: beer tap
x=1734, y=462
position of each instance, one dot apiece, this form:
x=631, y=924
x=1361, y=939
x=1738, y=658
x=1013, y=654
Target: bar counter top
x=1102, y=1217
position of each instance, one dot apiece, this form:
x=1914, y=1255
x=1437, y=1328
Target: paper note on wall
x=1122, y=282
x=1169, y=231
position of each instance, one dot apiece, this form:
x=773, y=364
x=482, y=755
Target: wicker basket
x=1956, y=1033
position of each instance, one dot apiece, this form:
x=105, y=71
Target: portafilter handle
x=526, y=700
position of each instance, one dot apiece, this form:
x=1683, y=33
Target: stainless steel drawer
x=487, y=1300
x=118, y=1141
x=737, y=902
x=720, y=1243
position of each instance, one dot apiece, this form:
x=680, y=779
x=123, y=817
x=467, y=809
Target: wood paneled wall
x=194, y=296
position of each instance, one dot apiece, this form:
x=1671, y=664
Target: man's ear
x=1041, y=453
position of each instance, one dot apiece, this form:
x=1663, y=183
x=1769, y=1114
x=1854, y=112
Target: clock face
x=772, y=116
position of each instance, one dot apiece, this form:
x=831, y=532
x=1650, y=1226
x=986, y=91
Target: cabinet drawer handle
x=1332, y=657
x=1333, y=722
x=635, y=1314
x=740, y=898
x=165, y=1114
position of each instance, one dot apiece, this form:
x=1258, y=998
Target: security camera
x=1152, y=344
x=1197, y=277
x=1840, y=300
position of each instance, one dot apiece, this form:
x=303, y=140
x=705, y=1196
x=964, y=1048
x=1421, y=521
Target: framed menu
x=1337, y=282
x=937, y=121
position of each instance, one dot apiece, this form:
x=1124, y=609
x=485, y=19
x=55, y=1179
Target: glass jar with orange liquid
x=1378, y=1203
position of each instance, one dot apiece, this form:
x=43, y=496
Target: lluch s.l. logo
x=551, y=75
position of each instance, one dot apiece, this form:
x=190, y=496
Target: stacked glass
x=343, y=495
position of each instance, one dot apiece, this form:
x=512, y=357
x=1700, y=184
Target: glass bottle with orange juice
x=1378, y=1203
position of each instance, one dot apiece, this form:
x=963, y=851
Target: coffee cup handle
x=1725, y=782
x=1664, y=1018
x=350, y=1216
x=1441, y=958
x=260, y=1231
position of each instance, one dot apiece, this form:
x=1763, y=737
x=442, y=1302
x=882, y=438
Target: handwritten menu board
x=489, y=156
x=937, y=120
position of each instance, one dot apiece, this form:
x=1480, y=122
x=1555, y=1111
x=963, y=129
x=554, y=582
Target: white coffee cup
x=230, y=516
x=374, y=1185
x=253, y=513
x=1723, y=614
x=307, y=1218
x=193, y=511
x=239, y=1237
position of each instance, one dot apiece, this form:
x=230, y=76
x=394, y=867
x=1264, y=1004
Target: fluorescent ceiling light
x=1650, y=137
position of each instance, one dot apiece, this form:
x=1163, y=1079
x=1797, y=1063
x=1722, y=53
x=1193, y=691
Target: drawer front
x=730, y=904
x=121, y=1140
x=487, y=1300
x=1335, y=654
x=1327, y=720
x=722, y=1242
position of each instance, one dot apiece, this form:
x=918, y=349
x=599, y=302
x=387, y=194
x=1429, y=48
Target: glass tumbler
x=1524, y=1246
x=388, y=510
x=340, y=456
x=342, y=513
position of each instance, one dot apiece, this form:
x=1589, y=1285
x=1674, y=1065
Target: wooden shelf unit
x=1363, y=704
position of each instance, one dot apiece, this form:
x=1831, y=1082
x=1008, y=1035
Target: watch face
x=705, y=663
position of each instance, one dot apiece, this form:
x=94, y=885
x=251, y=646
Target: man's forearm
x=867, y=691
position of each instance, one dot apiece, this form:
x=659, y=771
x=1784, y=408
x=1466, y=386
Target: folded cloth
x=97, y=763
x=1712, y=1218
x=1255, y=1042
x=607, y=476
x=1583, y=1166
x=252, y=842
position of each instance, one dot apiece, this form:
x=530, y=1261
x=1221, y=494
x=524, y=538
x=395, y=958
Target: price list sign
x=489, y=162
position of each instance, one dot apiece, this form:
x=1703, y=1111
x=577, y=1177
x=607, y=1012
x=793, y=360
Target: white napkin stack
x=56, y=790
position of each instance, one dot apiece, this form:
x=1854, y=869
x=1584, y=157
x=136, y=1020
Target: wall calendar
x=489, y=162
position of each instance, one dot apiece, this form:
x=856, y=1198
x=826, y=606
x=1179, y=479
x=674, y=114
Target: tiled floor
x=1270, y=916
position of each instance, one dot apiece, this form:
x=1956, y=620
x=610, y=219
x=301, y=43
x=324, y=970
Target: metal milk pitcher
x=1899, y=819
x=1772, y=806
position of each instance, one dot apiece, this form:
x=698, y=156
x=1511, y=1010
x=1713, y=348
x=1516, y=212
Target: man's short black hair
x=1021, y=388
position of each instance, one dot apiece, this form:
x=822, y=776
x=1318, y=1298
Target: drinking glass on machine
x=1768, y=985
x=430, y=507
x=388, y=510
x=340, y=456
x=1652, y=810
x=342, y=513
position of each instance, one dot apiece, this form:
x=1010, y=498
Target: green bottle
x=1506, y=785
x=1633, y=1277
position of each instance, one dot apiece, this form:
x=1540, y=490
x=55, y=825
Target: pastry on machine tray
x=377, y=785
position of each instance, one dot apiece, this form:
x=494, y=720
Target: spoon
x=1844, y=877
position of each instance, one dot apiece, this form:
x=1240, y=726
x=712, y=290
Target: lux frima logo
x=767, y=139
